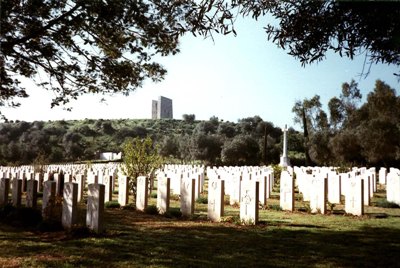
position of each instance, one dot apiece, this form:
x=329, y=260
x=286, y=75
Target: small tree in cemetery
x=141, y=158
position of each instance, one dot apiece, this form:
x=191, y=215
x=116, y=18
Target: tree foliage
x=109, y=46
x=355, y=135
x=189, y=118
x=90, y=46
x=141, y=158
x=242, y=150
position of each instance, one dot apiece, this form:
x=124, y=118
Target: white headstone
x=334, y=188
x=382, y=175
x=216, y=189
x=16, y=192
x=187, y=196
x=59, y=179
x=234, y=197
x=39, y=177
x=31, y=193
x=107, y=181
x=354, y=202
x=49, y=195
x=95, y=207
x=367, y=189
x=142, y=193
x=249, y=202
x=80, y=180
x=123, y=190
x=163, y=193
x=70, y=205
x=318, y=194
x=262, y=189
x=287, y=191
x=393, y=187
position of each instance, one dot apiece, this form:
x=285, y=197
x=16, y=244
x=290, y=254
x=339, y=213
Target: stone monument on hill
x=161, y=108
x=284, y=158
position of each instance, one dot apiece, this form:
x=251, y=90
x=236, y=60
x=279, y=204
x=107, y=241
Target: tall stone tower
x=161, y=108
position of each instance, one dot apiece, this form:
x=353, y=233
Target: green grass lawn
x=281, y=239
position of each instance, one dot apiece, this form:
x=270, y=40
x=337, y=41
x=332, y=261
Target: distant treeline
x=251, y=141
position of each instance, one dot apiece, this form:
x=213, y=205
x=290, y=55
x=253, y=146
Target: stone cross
x=284, y=158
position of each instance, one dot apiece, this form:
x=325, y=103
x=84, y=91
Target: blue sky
x=231, y=78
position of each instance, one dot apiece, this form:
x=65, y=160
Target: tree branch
x=40, y=31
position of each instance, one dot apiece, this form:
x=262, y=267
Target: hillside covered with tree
x=212, y=142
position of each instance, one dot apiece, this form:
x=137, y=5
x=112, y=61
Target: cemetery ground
x=280, y=239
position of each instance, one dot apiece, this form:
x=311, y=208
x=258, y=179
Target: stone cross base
x=285, y=162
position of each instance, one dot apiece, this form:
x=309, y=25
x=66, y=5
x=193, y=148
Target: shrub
x=5, y=211
x=152, y=210
x=112, y=204
x=247, y=222
x=231, y=219
x=236, y=205
x=174, y=197
x=277, y=173
x=173, y=213
x=26, y=217
x=130, y=206
x=275, y=207
x=153, y=195
x=80, y=231
x=386, y=204
x=202, y=200
x=50, y=226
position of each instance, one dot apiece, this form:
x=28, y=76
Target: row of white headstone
x=69, y=212
x=68, y=181
x=247, y=186
x=322, y=185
